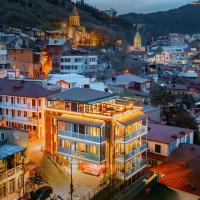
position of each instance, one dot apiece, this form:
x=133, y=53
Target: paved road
x=55, y=177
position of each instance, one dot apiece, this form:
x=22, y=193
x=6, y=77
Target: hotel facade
x=98, y=132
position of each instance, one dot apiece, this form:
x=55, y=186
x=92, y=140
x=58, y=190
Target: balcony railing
x=10, y=172
x=82, y=155
x=79, y=136
x=24, y=120
x=132, y=171
x=15, y=106
x=132, y=153
x=132, y=136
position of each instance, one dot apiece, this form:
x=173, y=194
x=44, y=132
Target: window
x=25, y=113
x=33, y=102
x=11, y=186
x=157, y=148
x=2, y=190
x=82, y=129
x=39, y=102
x=2, y=136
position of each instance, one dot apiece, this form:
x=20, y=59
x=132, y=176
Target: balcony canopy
x=82, y=120
x=132, y=118
x=9, y=150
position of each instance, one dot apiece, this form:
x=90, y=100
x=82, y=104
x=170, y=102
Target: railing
x=132, y=136
x=19, y=106
x=10, y=172
x=26, y=120
x=132, y=153
x=80, y=136
x=81, y=155
x=132, y=171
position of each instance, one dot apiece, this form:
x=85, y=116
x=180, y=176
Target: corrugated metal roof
x=83, y=95
x=9, y=149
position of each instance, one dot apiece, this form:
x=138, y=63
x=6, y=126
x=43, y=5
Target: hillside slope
x=183, y=20
x=51, y=14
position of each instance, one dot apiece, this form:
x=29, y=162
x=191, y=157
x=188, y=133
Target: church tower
x=74, y=19
x=137, y=40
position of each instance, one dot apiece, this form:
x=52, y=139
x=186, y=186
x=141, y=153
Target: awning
x=9, y=149
x=132, y=118
x=82, y=120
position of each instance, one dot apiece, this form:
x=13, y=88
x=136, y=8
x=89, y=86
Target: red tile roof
x=182, y=169
x=165, y=134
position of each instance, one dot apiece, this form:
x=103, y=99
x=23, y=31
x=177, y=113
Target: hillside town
x=82, y=118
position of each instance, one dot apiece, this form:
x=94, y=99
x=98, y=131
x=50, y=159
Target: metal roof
x=83, y=95
x=22, y=88
x=9, y=149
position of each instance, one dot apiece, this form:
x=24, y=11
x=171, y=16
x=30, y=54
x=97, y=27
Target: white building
x=66, y=81
x=22, y=105
x=172, y=55
x=78, y=61
x=164, y=140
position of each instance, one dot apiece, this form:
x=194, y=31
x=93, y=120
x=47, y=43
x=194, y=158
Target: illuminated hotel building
x=98, y=131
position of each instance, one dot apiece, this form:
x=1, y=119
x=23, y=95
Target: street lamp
x=71, y=183
x=23, y=158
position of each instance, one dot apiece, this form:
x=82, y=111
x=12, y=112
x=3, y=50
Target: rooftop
x=9, y=149
x=57, y=42
x=165, y=134
x=125, y=79
x=83, y=95
x=182, y=169
x=22, y=88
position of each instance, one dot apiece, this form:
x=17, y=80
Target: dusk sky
x=139, y=6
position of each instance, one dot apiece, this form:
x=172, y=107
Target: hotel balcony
x=82, y=155
x=10, y=173
x=134, y=152
x=126, y=175
x=23, y=120
x=79, y=136
x=129, y=137
x=25, y=107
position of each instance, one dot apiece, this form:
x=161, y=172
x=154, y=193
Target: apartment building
x=21, y=59
x=78, y=61
x=101, y=133
x=22, y=106
x=13, y=159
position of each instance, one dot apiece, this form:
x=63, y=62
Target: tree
x=161, y=97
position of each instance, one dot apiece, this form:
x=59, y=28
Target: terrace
x=88, y=101
x=106, y=108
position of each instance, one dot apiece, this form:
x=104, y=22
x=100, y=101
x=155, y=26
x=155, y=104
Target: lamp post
x=23, y=191
x=71, y=182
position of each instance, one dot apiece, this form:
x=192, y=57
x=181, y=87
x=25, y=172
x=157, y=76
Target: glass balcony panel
x=80, y=136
